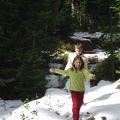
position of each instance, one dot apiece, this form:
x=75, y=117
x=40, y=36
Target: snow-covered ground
x=100, y=101
x=86, y=35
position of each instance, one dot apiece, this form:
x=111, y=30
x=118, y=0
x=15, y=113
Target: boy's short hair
x=78, y=46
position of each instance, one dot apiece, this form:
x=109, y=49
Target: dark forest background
x=33, y=31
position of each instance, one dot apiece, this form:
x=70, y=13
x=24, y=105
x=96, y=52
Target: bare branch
x=3, y=81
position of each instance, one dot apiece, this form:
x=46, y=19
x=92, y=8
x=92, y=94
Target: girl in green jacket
x=77, y=74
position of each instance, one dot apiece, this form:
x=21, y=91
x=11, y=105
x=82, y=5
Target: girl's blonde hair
x=77, y=58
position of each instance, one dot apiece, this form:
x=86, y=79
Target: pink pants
x=77, y=100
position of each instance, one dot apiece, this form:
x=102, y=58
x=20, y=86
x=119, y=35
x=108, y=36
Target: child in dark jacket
x=77, y=74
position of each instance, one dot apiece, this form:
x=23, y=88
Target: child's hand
x=52, y=70
x=94, y=77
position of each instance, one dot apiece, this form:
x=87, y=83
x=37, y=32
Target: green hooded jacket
x=77, y=78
